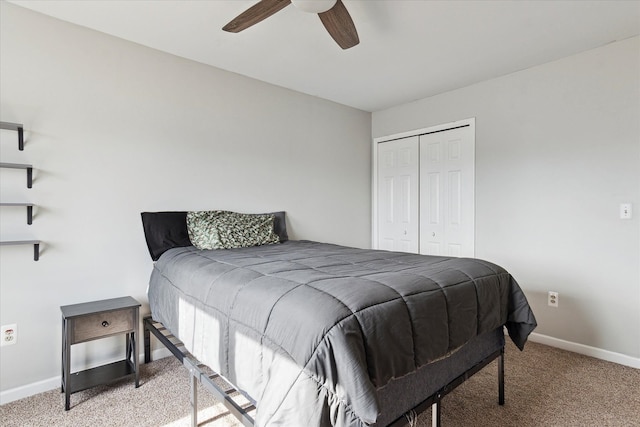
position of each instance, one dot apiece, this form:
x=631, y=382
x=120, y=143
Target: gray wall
x=557, y=151
x=114, y=129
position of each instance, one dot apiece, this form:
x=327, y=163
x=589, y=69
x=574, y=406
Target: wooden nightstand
x=95, y=320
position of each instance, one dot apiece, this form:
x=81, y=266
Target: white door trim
x=374, y=187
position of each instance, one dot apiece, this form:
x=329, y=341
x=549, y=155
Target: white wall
x=557, y=151
x=114, y=129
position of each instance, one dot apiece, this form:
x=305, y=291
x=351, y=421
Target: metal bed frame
x=227, y=393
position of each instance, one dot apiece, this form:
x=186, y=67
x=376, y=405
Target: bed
x=316, y=334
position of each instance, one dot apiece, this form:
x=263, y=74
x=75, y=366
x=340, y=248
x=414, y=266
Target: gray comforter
x=310, y=330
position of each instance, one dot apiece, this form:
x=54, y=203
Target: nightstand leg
x=66, y=367
x=134, y=335
x=63, y=356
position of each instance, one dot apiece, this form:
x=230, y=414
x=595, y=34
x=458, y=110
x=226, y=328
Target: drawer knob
x=105, y=323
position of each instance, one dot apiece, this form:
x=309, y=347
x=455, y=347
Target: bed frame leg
x=147, y=340
x=194, y=399
x=435, y=412
x=501, y=377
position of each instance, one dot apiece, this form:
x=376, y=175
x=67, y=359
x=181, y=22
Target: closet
x=424, y=190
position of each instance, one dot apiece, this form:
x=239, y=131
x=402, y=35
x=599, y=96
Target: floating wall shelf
x=29, y=210
x=35, y=243
x=29, y=169
x=17, y=127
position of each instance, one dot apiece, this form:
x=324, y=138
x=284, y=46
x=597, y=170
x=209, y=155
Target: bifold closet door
x=398, y=182
x=447, y=189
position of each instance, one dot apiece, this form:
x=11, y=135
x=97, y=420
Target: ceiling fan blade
x=340, y=26
x=255, y=14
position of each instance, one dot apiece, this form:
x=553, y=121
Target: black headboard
x=166, y=230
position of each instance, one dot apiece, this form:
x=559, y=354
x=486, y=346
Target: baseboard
x=160, y=353
x=55, y=382
x=598, y=353
x=29, y=390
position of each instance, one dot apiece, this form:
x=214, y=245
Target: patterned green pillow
x=226, y=230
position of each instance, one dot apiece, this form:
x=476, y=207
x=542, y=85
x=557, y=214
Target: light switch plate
x=625, y=210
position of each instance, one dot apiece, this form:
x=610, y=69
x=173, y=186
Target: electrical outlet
x=553, y=299
x=9, y=334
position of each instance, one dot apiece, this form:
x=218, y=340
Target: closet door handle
x=105, y=323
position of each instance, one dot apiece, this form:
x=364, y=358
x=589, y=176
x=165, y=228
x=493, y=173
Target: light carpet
x=544, y=386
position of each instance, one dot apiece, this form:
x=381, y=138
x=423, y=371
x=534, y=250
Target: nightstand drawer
x=100, y=325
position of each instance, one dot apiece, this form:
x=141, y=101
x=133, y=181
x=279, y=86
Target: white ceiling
x=409, y=49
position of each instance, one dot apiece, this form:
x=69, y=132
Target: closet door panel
x=398, y=193
x=431, y=198
x=447, y=193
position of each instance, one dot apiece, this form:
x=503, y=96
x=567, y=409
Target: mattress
x=312, y=332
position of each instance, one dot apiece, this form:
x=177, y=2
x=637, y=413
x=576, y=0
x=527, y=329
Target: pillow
x=227, y=230
x=166, y=230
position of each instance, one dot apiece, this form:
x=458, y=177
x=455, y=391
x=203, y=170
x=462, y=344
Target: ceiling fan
x=332, y=13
